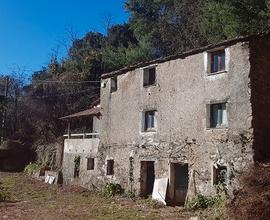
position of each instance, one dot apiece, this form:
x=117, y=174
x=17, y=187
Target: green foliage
x=129, y=194
x=4, y=194
x=203, y=202
x=112, y=189
x=31, y=168
x=115, y=58
x=222, y=19
x=170, y=25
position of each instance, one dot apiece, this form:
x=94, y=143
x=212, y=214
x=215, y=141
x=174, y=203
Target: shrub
x=203, y=202
x=31, y=168
x=129, y=194
x=4, y=195
x=112, y=189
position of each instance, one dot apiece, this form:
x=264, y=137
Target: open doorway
x=77, y=163
x=147, y=178
x=178, y=185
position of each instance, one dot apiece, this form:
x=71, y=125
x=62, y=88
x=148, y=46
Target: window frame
x=92, y=167
x=210, y=55
x=146, y=72
x=110, y=167
x=210, y=123
x=113, y=81
x=154, y=121
x=216, y=173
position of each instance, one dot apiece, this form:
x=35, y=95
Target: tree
x=170, y=25
x=121, y=36
x=223, y=19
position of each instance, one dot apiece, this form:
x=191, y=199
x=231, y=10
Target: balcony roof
x=95, y=111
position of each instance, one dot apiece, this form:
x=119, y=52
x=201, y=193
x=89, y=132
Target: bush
x=4, y=195
x=203, y=202
x=31, y=168
x=112, y=189
x=129, y=194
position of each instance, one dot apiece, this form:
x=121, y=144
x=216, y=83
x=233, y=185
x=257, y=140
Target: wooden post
x=69, y=129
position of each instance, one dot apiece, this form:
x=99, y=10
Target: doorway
x=77, y=163
x=147, y=178
x=178, y=183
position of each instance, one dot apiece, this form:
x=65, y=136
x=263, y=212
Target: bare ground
x=32, y=199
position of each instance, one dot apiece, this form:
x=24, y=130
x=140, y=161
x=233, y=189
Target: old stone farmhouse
x=199, y=118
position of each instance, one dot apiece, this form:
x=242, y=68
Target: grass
x=32, y=199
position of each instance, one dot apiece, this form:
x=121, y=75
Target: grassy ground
x=32, y=199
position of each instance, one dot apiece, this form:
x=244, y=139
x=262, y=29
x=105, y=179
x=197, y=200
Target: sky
x=31, y=30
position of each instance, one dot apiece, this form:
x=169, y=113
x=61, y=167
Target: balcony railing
x=82, y=135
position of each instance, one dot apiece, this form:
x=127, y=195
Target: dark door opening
x=147, y=178
x=77, y=163
x=178, y=183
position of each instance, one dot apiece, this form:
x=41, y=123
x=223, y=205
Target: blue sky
x=32, y=29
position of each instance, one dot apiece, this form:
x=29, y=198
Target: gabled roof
x=182, y=55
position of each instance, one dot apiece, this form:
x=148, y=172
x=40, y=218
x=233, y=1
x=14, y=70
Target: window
x=218, y=115
x=110, y=164
x=149, y=76
x=149, y=120
x=90, y=163
x=220, y=175
x=217, y=61
x=114, y=84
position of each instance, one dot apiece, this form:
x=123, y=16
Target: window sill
x=217, y=73
x=149, y=86
x=217, y=129
x=150, y=131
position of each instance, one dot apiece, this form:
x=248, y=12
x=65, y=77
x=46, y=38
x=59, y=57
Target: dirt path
x=32, y=199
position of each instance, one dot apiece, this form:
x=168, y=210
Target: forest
x=155, y=28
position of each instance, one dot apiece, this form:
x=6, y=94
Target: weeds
x=112, y=189
x=31, y=168
x=203, y=202
x=4, y=194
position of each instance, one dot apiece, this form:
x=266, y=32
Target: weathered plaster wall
x=180, y=97
x=85, y=148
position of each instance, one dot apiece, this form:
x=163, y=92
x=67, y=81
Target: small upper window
x=218, y=115
x=90, y=163
x=220, y=175
x=149, y=76
x=217, y=61
x=114, y=84
x=149, y=120
x=110, y=167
